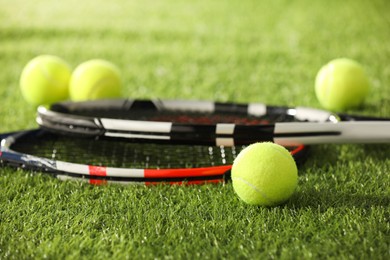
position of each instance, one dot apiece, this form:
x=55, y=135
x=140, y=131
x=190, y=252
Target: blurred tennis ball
x=95, y=79
x=341, y=84
x=45, y=80
x=264, y=174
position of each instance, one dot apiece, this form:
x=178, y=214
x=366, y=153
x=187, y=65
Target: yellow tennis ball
x=341, y=84
x=45, y=80
x=95, y=79
x=264, y=174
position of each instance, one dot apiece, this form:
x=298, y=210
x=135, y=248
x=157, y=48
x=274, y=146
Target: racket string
x=215, y=118
x=107, y=152
x=188, y=117
x=115, y=153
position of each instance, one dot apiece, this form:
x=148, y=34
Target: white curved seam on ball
x=253, y=187
x=282, y=153
x=97, y=85
x=48, y=76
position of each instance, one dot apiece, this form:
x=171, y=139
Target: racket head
x=209, y=123
x=173, y=121
x=104, y=160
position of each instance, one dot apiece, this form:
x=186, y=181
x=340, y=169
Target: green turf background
x=232, y=50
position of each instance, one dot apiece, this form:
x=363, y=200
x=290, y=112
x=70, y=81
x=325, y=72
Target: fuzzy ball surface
x=95, y=79
x=341, y=84
x=45, y=80
x=264, y=174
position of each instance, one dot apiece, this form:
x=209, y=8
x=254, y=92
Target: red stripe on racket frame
x=183, y=173
x=97, y=170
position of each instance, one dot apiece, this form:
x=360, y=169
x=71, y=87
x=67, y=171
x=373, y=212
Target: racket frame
x=101, y=174
x=314, y=127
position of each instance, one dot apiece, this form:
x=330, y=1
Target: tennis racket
x=103, y=160
x=210, y=123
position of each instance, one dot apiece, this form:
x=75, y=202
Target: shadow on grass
x=325, y=161
x=312, y=198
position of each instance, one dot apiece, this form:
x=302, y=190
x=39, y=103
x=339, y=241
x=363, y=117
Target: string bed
x=114, y=153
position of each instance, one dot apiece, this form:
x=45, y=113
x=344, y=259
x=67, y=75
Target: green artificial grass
x=241, y=51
